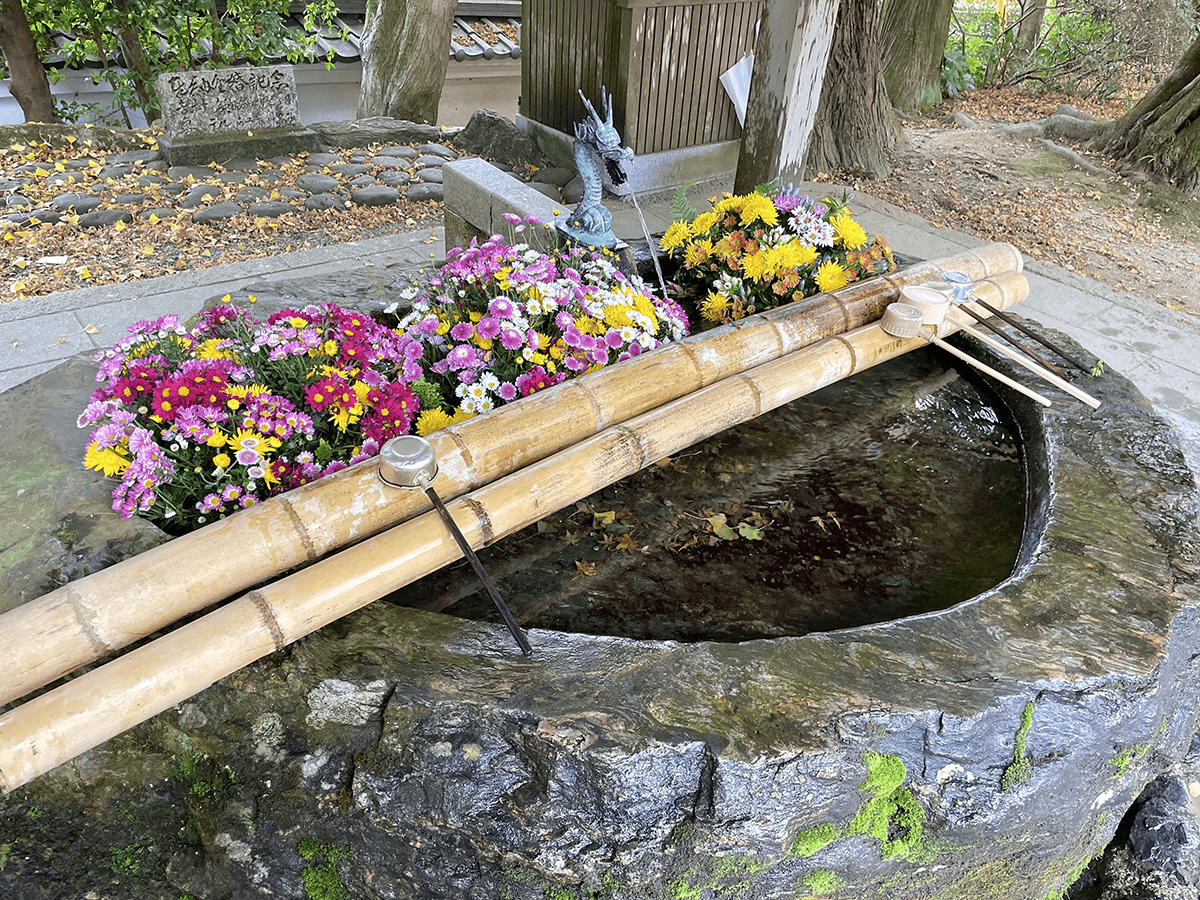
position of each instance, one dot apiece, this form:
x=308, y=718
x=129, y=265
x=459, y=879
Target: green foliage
x=956, y=72
x=5, y=850
x=428, y=393
x=681, y=208
x=822, y=881
x=1021, y=768
x=1075, y=51
x=321, y=880
x=241, y=31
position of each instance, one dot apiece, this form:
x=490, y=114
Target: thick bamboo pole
x=86, y=711
x=95, y=616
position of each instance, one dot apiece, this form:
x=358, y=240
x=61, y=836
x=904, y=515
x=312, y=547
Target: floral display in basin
x=197, y=423
x=756, y=251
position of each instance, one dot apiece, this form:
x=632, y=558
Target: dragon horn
x=588, y=103
x=606, y=99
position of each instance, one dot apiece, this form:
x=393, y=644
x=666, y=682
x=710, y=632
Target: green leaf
x=749, y=532
x=720, y=528
x=324, y=451
x=681, y=207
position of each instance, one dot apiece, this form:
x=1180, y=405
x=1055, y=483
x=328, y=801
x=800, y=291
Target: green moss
x=5, y=849
x=321, y=880
x=1021, y=768
x=1123, y=760
x=126, y=862
x=891, y=814
x=821, y=881
x=812, y=840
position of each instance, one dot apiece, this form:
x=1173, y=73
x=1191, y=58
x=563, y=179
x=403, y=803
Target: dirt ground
x=1121, y=229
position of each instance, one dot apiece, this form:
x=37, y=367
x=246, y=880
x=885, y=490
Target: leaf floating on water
x=721, y=529
x=749, y=532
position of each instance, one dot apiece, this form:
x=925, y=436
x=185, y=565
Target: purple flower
x=461, y=357
x=501, y=308
x=508, y=390
x=247, y=456
x=511, y=339
x=487, y=327
x=613, y=339
x=462, y=331
x=512, y=218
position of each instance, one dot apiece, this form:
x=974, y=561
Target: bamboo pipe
x=100, y=704
x=81, y=622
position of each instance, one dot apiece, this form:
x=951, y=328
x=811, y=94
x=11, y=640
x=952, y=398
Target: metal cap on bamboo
x=407, y=461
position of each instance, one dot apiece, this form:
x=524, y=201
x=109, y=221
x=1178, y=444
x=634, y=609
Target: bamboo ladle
x=935, y=307
x=903, y=320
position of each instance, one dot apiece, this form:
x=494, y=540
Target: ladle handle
x=1003, y=379
x=1004, y=317
x=1032, y=367
x=1036, y=357
x=517, y=633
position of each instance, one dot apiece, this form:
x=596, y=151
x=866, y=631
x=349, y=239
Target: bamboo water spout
x=82, y=713
x=84, y=621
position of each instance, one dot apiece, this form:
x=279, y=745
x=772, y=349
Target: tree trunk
x=1029, y=26
x=913, y=42
x=406, y=47
x=789, y=64
x=855, y=125
x=28, y=82
x=1161, y=134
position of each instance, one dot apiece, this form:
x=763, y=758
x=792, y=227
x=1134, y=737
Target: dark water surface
x=895, y=492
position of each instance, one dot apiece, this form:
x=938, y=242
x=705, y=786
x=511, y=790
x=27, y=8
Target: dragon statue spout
x=596, y=139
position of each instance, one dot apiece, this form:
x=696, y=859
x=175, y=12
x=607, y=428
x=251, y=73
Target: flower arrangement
x=761, y=250
x=502, y=321
x=197, y=424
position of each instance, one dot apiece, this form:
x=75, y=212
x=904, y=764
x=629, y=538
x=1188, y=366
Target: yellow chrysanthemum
x=831, y=276
x=758, y=266
x=795, y=255
x=222, y=460
x=675, y=235
x=713, y=307
x=756, y=207
x=461, y=415
x=431, y=420
x=727, y=203
x=111, y=460
x=217, y=439
x=703, y=222
x=849, y=233
x=211, y=349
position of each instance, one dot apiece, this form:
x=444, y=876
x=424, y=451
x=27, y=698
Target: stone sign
x=219, y=113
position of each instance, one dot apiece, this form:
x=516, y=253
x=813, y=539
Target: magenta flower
x=462, y=331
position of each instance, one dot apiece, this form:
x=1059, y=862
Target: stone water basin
x=985, y=749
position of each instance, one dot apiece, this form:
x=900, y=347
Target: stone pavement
x=1156, y=347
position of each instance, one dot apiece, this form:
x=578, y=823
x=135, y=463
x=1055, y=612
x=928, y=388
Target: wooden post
x=789, y=65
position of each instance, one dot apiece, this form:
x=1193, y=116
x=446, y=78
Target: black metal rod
x=517, y=633
x=982, y=320
x=1037, y=337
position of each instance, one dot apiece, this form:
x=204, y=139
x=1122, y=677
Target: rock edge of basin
x=987, y=750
